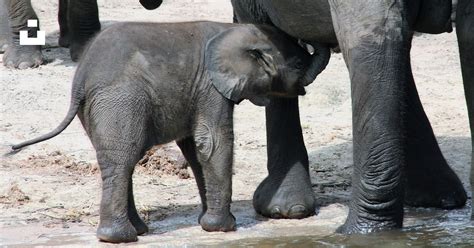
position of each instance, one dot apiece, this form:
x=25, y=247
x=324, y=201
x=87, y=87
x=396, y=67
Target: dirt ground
x=50, y=192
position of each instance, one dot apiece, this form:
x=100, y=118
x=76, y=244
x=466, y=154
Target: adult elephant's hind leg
x=376, y=42
x=465, y=34
x=83, y=24
x=64, y=34
x=430, y=182
x=286, y=192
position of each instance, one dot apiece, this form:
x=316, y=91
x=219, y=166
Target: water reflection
x=423, y=228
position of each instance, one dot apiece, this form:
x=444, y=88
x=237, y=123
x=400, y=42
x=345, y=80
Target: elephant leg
x=120, y=140
x=16, y=55
x=286, y=192
x=135, y=219
x=430, y=182
x=465, y=34
x=83, y=23
x=4, y=26
x=214, y=151
x=64, y=34
x=376, y=46
x=116, y=159
x=188, y=148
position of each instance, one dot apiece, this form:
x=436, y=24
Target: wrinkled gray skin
x=397, y=160
x=78, y=22
x=176, y=82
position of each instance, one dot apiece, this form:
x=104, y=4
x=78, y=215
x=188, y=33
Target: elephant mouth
x=300, y=91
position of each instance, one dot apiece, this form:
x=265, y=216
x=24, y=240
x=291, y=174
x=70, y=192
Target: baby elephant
x=142, y=84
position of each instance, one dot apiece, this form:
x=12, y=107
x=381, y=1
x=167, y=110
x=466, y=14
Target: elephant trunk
x=320, y=60
x=151, y=4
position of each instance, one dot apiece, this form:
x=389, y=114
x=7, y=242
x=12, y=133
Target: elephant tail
x=76, y=101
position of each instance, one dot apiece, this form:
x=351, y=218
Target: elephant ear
x=151, y=4
x=240, y=64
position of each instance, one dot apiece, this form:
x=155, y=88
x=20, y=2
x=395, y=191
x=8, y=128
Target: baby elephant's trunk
x=320, y=60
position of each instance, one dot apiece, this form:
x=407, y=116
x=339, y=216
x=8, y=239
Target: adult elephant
x=78, y=22
x=397, y=160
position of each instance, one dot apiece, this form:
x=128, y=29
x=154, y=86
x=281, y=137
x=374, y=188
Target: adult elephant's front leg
x=4, y=26
x=16, y=55
x=465, y=34
x=286, y=192
x=375, y=39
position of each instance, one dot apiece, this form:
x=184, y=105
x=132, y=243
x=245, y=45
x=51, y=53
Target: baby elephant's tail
x=76, y=100
x=67, y=120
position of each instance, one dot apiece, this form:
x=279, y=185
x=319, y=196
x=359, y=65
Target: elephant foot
x=354, y=225
x=437, y=187
x=286, y=195
x=217, y=223
x=118, y=231
x=22, y=57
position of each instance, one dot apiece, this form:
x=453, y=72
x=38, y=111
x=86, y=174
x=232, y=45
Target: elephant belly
x=309, y=20
x=169, y=127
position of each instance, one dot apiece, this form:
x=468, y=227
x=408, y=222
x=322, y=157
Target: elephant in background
x=397, y=159
x=78, y=22
x=177, y=81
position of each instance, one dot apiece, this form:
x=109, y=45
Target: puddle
x=423, y=228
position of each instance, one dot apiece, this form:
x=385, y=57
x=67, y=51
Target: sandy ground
x=50, y=192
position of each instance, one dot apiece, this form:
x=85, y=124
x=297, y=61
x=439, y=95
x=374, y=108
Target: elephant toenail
x=297, y=212
x=276, y=213
x=24, y=65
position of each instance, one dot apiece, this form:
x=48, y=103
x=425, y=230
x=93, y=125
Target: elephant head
x=258, y=62
x=151, y=4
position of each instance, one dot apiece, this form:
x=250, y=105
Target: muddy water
x=423, y=228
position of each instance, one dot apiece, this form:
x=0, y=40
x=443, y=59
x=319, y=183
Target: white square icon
x=32, y=41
